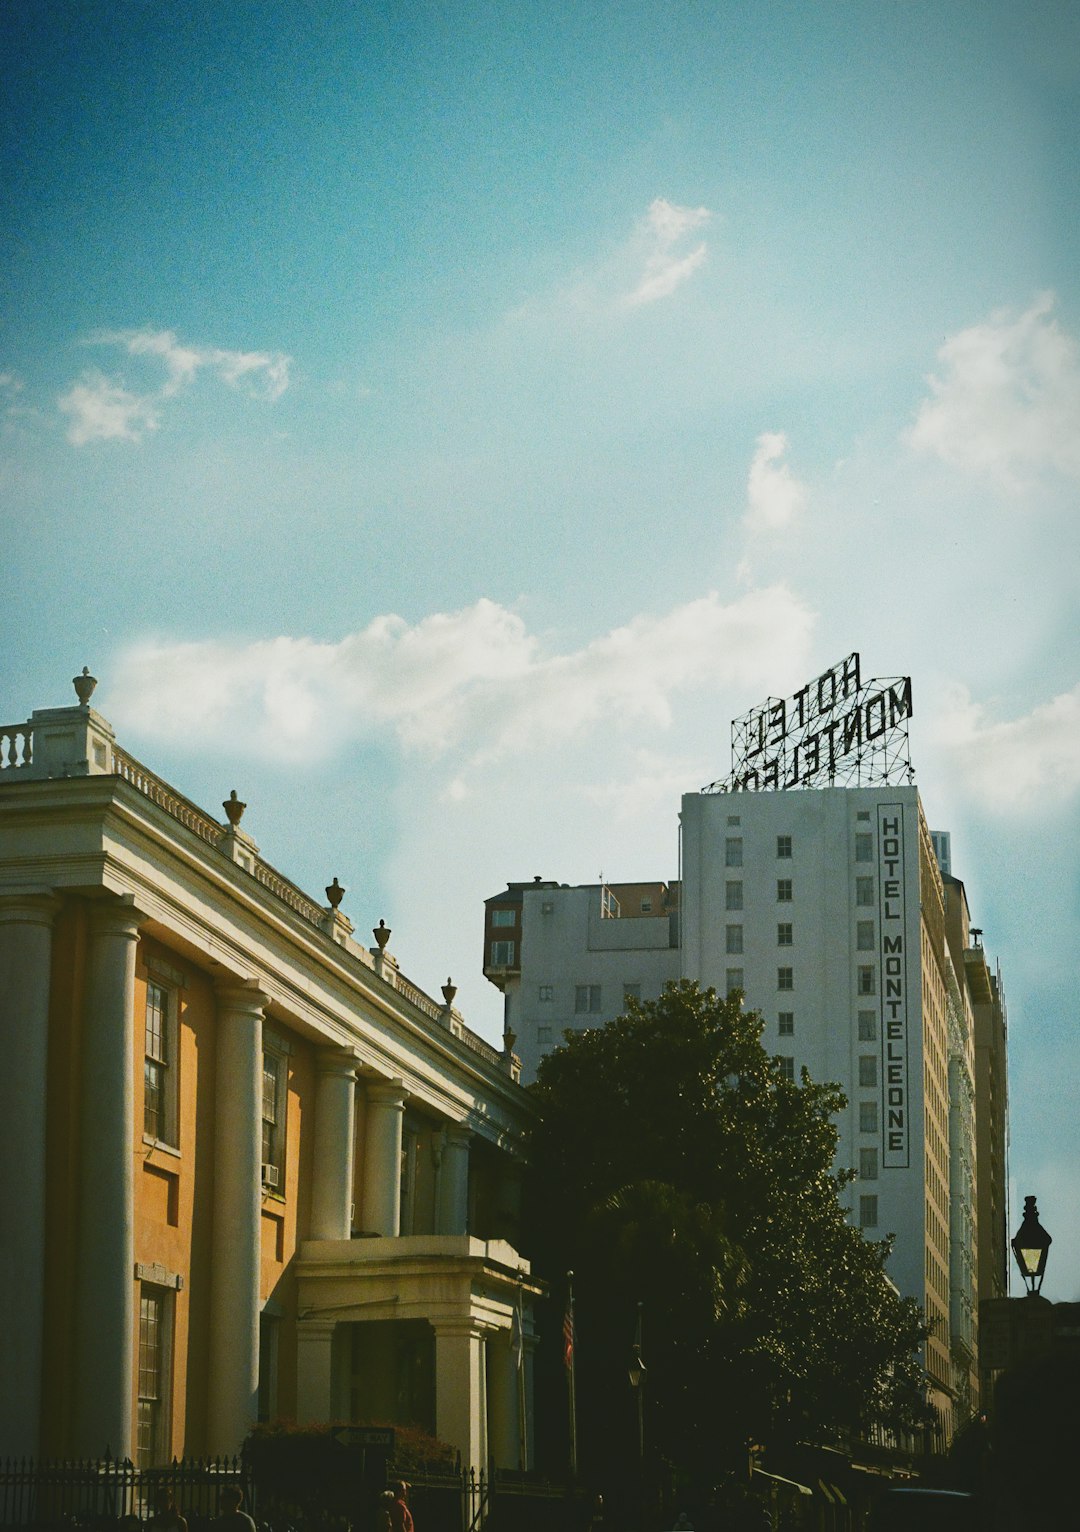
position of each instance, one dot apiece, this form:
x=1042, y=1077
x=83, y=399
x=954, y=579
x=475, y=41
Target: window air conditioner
x=270, y=1175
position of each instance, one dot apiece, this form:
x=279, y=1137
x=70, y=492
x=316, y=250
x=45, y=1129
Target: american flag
x=568, y=1337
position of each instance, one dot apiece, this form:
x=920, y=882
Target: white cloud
x=667, y=265
x=1006, y=405
x=103, y=409
x=474, y=684
x=1029, y=762
x=774, y=497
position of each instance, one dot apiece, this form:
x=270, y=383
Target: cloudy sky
x=437, y=422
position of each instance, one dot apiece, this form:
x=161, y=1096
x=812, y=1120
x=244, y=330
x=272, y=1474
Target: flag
x=517, y=1341
x=568, y=1337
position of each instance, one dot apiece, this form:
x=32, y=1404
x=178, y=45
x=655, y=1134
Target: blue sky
x=438, y=422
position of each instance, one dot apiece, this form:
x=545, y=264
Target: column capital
x=336, y=1061
x=458, y=1135
x=389, y=1094
x=463, y=1327
x=29, y=907
x=314, y=1328
x=243, y=995
x=116, y=916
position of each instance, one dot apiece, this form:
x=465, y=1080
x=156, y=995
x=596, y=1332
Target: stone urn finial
x=84, y=686
x=335, y=894
x=449, y=990
x=234, y=809
x=509, y=1039
x=381, y=933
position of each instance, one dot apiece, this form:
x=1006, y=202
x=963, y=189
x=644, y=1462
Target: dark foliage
x=674, y=1166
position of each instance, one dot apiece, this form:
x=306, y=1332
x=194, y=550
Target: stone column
x=454, y=1182
x=236, y=1242
x=315, y=1370
x=382, y=1158
x=25, y=963
x=460, y=1389
x=503, y=1393
x=104, y=1372
x=335, y=1108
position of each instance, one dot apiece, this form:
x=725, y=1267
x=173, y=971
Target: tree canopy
x=676, y=1167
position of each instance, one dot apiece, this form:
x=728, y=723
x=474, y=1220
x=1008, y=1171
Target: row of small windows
x=733, y=849
x=733, y=893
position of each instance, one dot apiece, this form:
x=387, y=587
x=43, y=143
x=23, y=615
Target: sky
x=438, y=422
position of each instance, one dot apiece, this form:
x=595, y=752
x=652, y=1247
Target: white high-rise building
x=826, y=907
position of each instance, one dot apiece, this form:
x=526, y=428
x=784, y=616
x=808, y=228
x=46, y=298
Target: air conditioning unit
x=270, y=1174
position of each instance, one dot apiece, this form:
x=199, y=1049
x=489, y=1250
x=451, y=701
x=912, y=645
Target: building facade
x=250, y=1170
x=826, y=907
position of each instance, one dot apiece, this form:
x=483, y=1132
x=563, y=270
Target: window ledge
x=159, y=1146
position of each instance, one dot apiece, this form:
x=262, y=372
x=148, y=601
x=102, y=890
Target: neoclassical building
x=249, y=1169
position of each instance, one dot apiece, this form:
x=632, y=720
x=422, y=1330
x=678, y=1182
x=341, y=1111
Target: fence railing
x=55, y=1493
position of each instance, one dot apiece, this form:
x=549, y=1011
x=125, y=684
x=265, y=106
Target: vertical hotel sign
x=892, y=905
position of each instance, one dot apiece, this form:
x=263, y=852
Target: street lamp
x=1030, y=1246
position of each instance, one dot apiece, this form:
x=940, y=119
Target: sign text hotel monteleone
x=834, y=730
x=892, y=905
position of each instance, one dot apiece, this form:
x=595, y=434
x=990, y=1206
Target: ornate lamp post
x=1031, y=1244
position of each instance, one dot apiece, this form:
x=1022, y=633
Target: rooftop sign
x=837, y=730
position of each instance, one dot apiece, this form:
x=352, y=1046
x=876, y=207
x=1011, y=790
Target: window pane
x=868, y=1026
x=503, y=917
x=867, y=981
x=733, y=851
x=864, y=935
x=868, y=1165
x=502, y=954
x=733, y=896
x=785, y=978
x=864, y=848
x=787, y=1068
x=734, y=979
x=868, y=1214
x=868, y=1117
x=867, y=1069
x=864, y=890
x=784, y=936
x=783, y=845
x=783, y=891
x=786, y=1023
x=734, y=939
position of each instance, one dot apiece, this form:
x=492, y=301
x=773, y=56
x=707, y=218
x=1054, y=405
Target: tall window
x=734, y=980
x=868, y=1026
x=631, y=992
x=868, y=1213
x=273, y=1122
x=159, y=1073
x=867, y=981
x=784, y=934
x=783, y=890
x=868, y=1165
x=864, y=890
x=783, y=846
x=864, y=847
x=733, y=939
x=587, y=999
x=867, y=1070
x=502, y=954
x=785, y=1023
x=733, y=896
x=864, y=935
x=787, y=1067
x=153, y=1374
x=733, y=851
x=785, y=978
x=868, y=1117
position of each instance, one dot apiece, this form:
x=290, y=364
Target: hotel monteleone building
x=249, y=1170
x=809, y=882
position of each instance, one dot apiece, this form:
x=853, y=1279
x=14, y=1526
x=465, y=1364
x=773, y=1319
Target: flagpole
x=523, y=1424
x=569, y=1345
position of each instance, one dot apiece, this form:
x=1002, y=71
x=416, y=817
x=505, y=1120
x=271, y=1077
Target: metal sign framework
x=836, y=731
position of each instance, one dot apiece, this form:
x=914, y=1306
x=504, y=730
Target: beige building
x=250, y=1170
x=828, y=909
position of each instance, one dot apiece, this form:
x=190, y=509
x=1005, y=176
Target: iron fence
x=58, y=1495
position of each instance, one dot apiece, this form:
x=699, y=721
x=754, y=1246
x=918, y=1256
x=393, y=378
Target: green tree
x=675, y=1166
